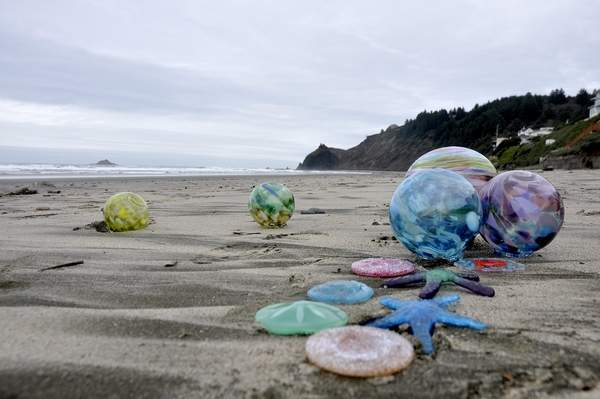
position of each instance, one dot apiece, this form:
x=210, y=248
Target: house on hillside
x=595, y=109
x=527, y=134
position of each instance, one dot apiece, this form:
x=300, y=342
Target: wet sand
x=123, y=325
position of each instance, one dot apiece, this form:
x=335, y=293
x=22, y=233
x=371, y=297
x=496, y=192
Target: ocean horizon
x=50, y=170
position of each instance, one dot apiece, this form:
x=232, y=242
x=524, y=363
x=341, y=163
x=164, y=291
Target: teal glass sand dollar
x=300, y=317
x=341, y=292
x=126, y=211
x=472, y=165
x=435, y=213
x=271, y=204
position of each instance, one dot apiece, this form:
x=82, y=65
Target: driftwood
x=79, y=262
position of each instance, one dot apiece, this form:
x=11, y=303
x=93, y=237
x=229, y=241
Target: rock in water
x=105, y=162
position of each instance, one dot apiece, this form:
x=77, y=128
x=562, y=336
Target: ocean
x=33, y=171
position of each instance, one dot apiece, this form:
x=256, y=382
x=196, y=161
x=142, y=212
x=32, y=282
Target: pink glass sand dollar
x=357, y=351
x=522, y=213
x=382, y=267
x=475, y=167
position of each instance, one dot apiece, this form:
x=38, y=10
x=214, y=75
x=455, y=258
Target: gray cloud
x=267, y=81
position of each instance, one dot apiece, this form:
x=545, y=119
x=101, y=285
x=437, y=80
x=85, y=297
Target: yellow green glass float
x=271, y=204
x=126, y=211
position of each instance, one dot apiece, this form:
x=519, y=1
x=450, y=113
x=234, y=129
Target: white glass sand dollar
x=357, y=351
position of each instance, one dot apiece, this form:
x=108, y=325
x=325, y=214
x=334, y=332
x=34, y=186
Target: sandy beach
x=123, y=324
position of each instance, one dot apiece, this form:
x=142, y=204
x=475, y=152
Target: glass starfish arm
x=453, y=319
x=422, y=331
x=392, y=303
x=468, y=276
x=475, y=287
x=410, y=279
x=390, y=321
x=431, y=288
x=447, y=300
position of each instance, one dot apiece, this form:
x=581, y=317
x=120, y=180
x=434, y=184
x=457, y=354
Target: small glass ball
x=271, y=204
x=126, y=211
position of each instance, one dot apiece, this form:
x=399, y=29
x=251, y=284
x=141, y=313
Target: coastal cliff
x=396, y=147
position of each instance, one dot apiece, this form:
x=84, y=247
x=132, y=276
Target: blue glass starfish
x=422, y=315
x=434, y=279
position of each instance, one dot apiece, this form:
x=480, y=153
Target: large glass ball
x=464, y=161
x=271, y=204
x=435, y=213
x=522, y=212
x=126, y=211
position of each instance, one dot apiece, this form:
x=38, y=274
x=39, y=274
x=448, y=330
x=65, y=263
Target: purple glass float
x=522, y=213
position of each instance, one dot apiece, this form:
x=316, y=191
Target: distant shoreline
x=77, y=178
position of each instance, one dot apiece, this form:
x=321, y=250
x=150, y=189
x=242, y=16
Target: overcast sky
x=262, y=83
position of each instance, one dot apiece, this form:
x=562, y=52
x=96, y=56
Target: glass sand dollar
x=489, y=265
x=382, y=267
x=300, y=317
x=341, y=292
x=435, y=213
x=271, y=204
x=126, y=211
x=357, y=351
x=474, y=166
x=522, y=213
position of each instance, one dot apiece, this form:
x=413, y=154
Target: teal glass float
x=341, y=292
x=475, y=167
x=435, y=213
x=271, y=204
x=300, y=317
x=126, y=211
x=522, y=213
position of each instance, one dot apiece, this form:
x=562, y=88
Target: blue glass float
x=341, y=292
x=522, y=213
x=435, y=213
